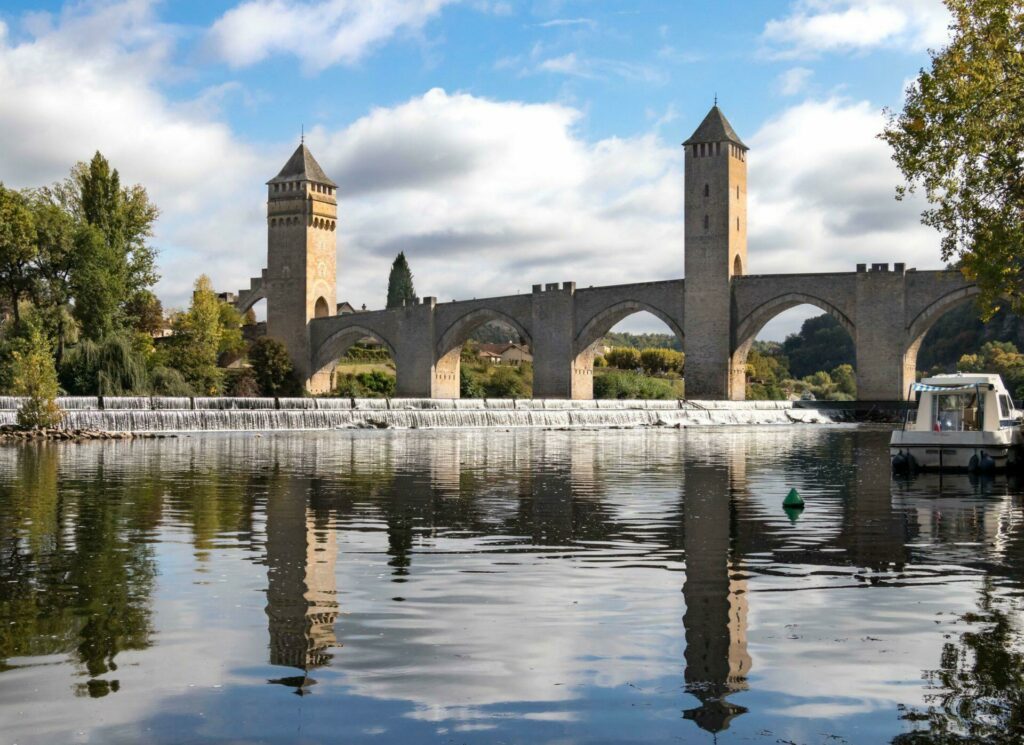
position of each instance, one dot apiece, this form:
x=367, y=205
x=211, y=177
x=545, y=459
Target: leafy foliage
x=18, y=248
x=202, y=334
x=35, y=377
x=822, y=344
x=959, y=138
x=643, y=341
x=624, y=358
x=1001, y=358
x=373, y=384
x=242, y=383
x=114, y=366
x=400, y=288
x=658, y=361
x=626, y=384
x=272, y=367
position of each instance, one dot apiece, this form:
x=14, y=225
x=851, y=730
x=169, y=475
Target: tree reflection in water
x=75, y=576
x=78, y=571
x=978, y=690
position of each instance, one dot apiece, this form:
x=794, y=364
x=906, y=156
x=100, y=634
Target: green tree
x=469, y=385
x=145, y=312
x=822, y=344
x=113, y=366
x=196, y=343
x=845, y=380
x=58, y=238
x=35, y=377
x=232, y=343
x=998, y=357
x=959, y=136
x=117, y=261
x=400, y=288
x=273, y=367
x=624, y=358
x=18, y=249
x=506, y=382
x=655, y=361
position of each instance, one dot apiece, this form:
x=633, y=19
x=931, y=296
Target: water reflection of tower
x=717, y=662
x=301, y=587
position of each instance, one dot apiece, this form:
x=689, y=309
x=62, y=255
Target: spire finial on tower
x=302, y=131
x=716, y=98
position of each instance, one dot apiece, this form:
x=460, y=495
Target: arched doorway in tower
x=356, y=362
x=790, y=349
x=321, y=309
x=632, y=351
x=484, y=353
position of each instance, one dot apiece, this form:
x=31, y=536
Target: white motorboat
x=963, y=422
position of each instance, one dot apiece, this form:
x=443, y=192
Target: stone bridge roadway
x=887, y=313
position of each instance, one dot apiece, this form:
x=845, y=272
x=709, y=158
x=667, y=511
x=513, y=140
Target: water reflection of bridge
x=563, y=491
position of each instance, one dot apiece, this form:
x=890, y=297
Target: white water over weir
x=164, y=414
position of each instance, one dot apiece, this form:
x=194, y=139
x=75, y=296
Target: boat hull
x=951, y=451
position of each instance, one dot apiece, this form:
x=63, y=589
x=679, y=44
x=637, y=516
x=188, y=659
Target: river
x=527, y=586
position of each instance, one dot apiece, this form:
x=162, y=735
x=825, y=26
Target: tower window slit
x=707, y=190
x=707, y=222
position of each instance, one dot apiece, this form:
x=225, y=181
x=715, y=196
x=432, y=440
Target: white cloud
x=85, y=83
x=486, y=197
x=794, y=80
x=816, y=26
x=822, y=194
x=321, y=33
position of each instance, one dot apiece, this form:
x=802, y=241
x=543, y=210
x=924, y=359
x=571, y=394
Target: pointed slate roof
x=302, y=166
x=715, y=128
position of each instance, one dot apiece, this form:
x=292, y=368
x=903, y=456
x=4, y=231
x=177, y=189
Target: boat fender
x=901, y=461
x=972, y=464
x=986, y=464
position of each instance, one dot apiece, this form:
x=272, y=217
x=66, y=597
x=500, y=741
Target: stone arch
x=321, y=309
x=247, y=300
x=604, y=320
x=737, y=265
x=923, y=322
x=459, y=331
x=600, y=324
x=448, y=350
x=325, y=357
x=748, y=329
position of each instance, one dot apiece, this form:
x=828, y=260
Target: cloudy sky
x=498, y=143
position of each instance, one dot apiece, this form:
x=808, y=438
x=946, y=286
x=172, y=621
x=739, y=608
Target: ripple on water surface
x=484, y=586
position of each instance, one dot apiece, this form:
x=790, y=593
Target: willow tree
x=400, y=289
x=960, y=138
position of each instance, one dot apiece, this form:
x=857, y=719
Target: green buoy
x=793, y=513
x=793, y=500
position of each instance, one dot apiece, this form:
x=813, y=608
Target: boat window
x=957, y=412
x=1005, y=407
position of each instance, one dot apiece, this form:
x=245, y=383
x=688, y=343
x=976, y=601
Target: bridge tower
x=302, y=217
x=715, y=251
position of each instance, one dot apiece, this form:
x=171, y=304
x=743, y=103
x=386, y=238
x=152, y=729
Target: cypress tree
x=400, y=288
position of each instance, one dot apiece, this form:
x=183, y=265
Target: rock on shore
x=14, y=433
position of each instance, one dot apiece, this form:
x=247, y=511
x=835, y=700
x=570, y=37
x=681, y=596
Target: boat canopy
x=917, y=387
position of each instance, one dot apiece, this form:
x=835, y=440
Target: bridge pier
x=557, y=371
x=419, y=373
x=880, y=337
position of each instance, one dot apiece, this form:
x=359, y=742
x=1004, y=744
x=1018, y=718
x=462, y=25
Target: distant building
x=505, y=354
x=345, y=307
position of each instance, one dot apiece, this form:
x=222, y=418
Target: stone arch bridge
x=887, y=313
x=717, y=310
